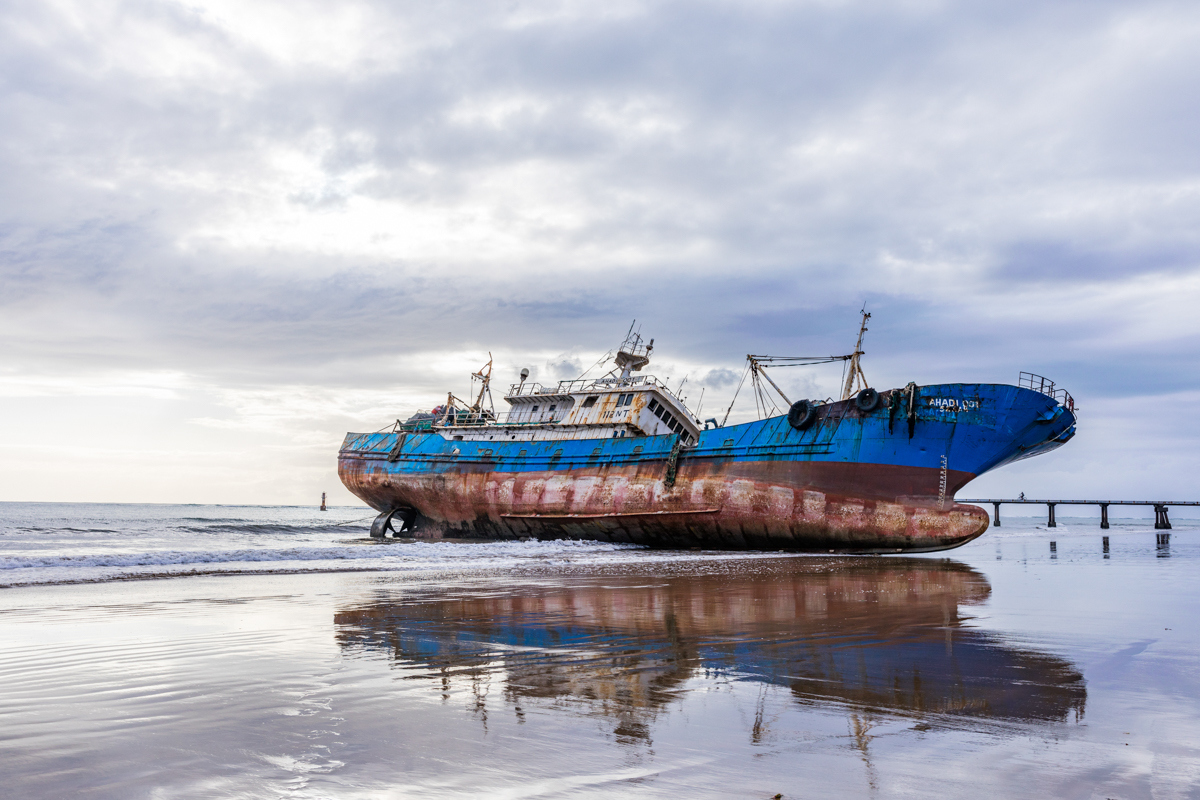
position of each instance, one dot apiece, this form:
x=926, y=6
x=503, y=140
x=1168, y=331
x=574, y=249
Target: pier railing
x=1161, y=521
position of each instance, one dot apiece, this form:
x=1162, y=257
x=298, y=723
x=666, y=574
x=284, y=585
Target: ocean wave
x=57, y=529
x=270, y=527
x=388, y=552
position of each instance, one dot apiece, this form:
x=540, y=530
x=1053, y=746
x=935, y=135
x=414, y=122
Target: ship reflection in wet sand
x=876, y=636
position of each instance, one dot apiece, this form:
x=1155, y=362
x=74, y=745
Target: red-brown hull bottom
x=798, y=506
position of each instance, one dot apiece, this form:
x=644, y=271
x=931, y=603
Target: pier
x=1161, y=521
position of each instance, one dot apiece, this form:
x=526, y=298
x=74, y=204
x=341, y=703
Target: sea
x=202, y=651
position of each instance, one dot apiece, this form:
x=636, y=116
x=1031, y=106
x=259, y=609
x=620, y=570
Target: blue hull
x=906, y=458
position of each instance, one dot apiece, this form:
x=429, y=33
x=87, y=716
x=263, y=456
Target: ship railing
x=526, y=389
x=576, y=386
x=580, y=386
x=633, y=345
x=507, y=419
x=1038, y=383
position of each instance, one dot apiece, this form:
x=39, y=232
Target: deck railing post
x=997, y=522
x=1051, y=523
x=1104, y=516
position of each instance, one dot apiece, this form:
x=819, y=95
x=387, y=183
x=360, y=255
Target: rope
x=351, y=522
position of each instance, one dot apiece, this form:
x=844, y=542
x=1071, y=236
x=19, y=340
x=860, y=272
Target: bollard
x=997, y=522
x=1051, y=523
x=1104, y=518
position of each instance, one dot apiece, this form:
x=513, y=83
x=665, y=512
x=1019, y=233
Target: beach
x=203, y=651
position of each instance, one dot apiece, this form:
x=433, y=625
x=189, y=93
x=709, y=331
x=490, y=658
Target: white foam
x=419, y=551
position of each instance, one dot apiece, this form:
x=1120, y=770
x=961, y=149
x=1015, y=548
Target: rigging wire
x=735, y=395
x=603, y=359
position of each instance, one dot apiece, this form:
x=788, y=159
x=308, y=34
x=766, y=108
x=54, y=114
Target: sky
x=230, y=232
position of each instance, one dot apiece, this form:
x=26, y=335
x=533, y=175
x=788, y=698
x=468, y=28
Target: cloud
x=720, y=378
x=369, y=198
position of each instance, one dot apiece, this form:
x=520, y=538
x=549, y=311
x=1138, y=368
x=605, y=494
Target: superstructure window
x=654, y=406
x=591, y=401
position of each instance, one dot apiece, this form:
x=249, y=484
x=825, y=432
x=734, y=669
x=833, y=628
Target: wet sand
x=1000, y=670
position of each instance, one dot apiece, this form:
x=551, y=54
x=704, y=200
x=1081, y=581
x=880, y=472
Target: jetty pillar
x=1051, y=523
x=996, y=523
x=1161, y=521
x=1104, y=518
x=1106, y=547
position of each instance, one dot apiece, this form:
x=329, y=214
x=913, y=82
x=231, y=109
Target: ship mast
x=485, y=380
x=855, y=373
x=632, y=355
x=756, y=370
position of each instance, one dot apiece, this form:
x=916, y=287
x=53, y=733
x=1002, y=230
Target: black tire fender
x=801, y=414
x=867, y=400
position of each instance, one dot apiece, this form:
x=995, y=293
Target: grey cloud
x=720, y=378
x=740, y=177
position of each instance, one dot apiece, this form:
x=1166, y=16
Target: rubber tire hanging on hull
x=801, y=414
x=867, y=400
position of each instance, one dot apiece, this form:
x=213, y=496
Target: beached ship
x=621, y=458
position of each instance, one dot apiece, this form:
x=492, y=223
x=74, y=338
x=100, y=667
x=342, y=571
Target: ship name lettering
x=953, y=404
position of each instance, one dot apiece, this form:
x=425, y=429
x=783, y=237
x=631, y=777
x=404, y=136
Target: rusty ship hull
x=852, y=481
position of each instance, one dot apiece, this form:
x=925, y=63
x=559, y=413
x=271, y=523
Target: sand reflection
x=879, y=635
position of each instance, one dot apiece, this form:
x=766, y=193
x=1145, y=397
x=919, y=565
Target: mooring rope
x=351, y=522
